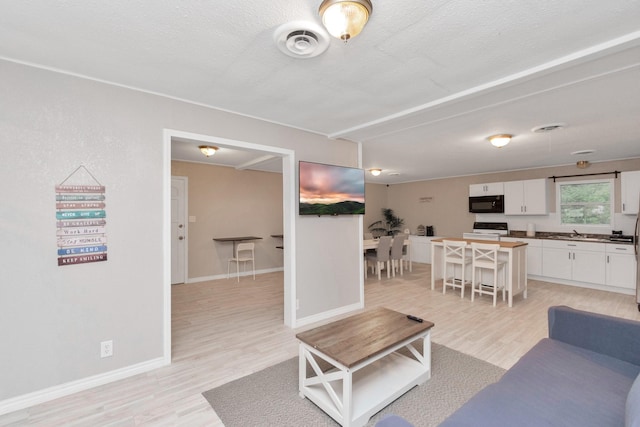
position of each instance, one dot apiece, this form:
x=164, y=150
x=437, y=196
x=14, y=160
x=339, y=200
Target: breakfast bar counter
x=514, y=254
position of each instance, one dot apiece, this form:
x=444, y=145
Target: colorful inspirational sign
x=81, y=224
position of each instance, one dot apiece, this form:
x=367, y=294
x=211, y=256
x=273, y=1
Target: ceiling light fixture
x=500, y=140
x=208, y=150
x=582, y=164
x=375, y=172
x=344, y=19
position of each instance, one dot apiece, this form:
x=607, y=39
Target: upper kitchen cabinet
x=490, y=189
x=630, y=185
x=525, y=197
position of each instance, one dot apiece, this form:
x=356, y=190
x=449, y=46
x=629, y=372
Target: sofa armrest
x=612, y=336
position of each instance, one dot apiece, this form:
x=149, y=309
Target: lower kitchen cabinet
x=610, y=265
x=534, y=254
x=577, y=261
x=421, y=248
x=621, y=266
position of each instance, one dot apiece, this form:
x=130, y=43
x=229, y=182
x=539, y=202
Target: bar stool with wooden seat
x=485, y=257
x=454, y=256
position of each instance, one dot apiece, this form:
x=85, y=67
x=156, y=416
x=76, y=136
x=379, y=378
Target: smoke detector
x=301, y=39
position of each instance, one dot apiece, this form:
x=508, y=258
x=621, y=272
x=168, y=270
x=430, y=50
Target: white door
x=178, y=229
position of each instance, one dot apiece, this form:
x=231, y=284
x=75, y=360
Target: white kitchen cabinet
x=527, y=197
x=421, y=248
x=534, y=254
x=577, y=261
x=630, y=186
x=490, y=189
x=621, y=266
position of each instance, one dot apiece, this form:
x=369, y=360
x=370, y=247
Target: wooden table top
x=236, y=239
x=356, y=338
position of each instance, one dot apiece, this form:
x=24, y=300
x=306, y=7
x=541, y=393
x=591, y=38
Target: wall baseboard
x=328, y=314
x=21, y=402
x=233, y=275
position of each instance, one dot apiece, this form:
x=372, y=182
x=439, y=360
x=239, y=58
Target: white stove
x=487, y=231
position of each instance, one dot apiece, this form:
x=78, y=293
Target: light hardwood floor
x=223, y=330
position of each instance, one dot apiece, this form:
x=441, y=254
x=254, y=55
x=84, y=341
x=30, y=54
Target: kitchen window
x=585, y=203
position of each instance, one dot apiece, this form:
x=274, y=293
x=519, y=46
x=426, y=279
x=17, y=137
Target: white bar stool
x=454, y=255
x=485, y=257
x=244, y=253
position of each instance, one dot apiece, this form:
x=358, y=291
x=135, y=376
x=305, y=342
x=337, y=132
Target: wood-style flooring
x=223, y=330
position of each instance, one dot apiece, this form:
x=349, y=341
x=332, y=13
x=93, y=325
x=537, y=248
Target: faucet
x=576, y=233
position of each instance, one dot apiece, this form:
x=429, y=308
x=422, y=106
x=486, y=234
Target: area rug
x=270, y=397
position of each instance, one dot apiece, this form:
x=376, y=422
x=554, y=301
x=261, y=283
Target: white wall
x=53, y=318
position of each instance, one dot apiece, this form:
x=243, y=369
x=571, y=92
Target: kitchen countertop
x=597, y=238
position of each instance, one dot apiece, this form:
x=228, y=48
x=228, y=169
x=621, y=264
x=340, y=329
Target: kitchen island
x=513, y=253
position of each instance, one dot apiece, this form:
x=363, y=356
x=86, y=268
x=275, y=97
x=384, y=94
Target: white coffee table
x=353, y=368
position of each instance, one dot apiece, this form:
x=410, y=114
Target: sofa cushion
x=553, y=384
x=632, y=412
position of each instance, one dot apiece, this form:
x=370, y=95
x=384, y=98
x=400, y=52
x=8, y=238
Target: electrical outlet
x=106, y=348
x=297, y=304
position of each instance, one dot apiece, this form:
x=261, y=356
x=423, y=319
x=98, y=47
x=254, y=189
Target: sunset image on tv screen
x=331, y=190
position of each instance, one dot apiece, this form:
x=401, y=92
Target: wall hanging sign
x=81, y=219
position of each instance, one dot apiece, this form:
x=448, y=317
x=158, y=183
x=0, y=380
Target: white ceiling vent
x=549, y=128
x=301, y=39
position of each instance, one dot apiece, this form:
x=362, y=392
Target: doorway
x=288, y=193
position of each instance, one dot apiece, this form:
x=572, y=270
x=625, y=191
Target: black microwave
x=486, y=204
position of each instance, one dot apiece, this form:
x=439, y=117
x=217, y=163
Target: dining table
x=373, y=244
x=235, y=240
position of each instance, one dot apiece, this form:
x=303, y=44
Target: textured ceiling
x=421, y=87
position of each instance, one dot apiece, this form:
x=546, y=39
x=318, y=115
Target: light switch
x=192, y=218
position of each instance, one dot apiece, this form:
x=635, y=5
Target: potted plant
x=390, y=226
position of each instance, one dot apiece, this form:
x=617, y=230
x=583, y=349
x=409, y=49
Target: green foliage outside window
x=586, y=203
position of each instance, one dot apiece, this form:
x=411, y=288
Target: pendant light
x=344, y=19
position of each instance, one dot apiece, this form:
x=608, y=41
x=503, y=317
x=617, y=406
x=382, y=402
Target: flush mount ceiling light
x=344, y=19
x=208, y=150
x=582, y=164
x=375, y=172
x=500, y=140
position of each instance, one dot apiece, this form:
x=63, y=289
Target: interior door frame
x=288, y=213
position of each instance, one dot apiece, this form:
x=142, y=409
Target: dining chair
x=485, y=257
x=244, y=253
x=397, y=254
x=455, y=256
x=381, y=256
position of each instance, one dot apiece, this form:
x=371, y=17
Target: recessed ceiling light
x=549, y=127
x=581, y=152
x=375, y=172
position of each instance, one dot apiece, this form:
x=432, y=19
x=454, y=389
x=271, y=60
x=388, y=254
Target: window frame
x=592, y=227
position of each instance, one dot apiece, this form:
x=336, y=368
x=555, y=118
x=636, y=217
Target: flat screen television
x=330, y=190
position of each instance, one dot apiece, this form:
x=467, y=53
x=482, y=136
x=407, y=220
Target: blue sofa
x=585, y=374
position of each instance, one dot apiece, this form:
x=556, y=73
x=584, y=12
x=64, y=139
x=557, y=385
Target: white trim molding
x=55, y=392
